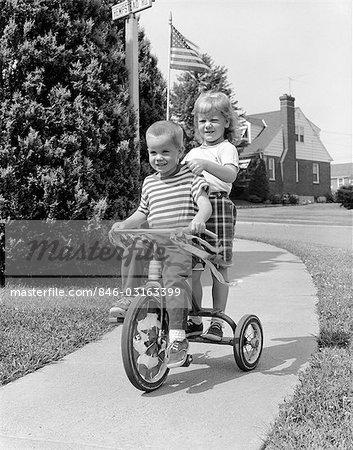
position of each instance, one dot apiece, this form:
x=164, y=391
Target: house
x=341, y=174
x=296, y=160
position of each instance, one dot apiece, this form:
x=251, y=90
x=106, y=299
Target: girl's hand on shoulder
x=197, y=166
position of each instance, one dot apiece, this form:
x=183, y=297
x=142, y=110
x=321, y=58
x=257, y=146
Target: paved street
x=86, y=401
x=320, y=224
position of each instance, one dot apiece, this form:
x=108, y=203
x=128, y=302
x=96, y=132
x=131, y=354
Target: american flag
x=184, y=55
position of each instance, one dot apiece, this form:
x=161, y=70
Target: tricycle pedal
x=116, y=320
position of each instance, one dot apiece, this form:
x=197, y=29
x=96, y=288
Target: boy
x=172, y=197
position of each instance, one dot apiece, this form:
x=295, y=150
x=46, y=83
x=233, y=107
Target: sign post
x=127, y=9
x=131, y=61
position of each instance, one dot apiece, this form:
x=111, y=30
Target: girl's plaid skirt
x=222, y=223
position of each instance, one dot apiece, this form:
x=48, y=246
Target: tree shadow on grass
x=285, y=358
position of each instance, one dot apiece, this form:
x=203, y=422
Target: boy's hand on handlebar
x=113, y=236
x=197, y=226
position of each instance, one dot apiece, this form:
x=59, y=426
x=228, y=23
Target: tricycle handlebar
x=160, y=230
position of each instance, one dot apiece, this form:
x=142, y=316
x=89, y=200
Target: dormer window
x=245, y=131
x=299, y=133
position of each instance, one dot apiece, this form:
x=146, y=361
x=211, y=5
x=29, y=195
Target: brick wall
x=305, y=186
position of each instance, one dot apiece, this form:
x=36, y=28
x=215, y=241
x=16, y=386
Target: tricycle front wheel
x=144, y=343
x=248, y=342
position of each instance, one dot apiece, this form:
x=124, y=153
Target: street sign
x=120, y=10
x=125, y=7
x=139, y=5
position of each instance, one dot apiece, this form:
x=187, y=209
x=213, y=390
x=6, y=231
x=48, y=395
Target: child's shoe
x=119, y=308
x=214, y=332
x=177, y=352
x=194, y=329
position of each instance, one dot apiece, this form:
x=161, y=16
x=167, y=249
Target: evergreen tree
x=153, y=101
x=259, y=188
x=188, y=87
x=66, y=142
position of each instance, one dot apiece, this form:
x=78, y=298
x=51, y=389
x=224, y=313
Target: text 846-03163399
x=148, y=290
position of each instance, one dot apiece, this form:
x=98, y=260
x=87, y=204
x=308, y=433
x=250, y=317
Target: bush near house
x=259, y=185
x=344, y=196
x=252, y=183
x=289, y=199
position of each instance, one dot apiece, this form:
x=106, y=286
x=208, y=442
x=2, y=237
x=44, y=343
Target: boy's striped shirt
x=171, y=202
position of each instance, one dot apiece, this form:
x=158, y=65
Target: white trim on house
x=243, y=163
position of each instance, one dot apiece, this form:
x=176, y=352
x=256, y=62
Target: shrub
x=344, y=196
x=254, y=199
x=285, y=199
x=321, y=199
x=293, y=199
x=330, y=198
x=259, y=185
x=276, y=199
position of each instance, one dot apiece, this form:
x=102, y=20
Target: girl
x=216, y=126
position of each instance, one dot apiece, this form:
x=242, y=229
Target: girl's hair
x=208, y=101
x=170, y=129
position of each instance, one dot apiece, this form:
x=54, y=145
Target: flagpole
x=169, y=50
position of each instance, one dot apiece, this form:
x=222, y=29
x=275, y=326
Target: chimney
x=289, y=155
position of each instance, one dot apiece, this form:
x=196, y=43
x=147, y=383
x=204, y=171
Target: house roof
x=273, y=125
x=342, y=170
x=255, y=121
x=270, y=126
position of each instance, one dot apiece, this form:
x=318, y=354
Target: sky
x=263, y=43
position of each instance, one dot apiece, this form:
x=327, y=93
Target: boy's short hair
x=167, y=128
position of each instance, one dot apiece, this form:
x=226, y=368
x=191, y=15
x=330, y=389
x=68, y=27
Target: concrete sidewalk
x=86, y=401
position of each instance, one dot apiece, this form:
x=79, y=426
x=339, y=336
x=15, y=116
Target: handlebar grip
x=211, y=234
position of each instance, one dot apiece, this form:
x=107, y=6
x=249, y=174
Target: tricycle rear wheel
x=248, y=342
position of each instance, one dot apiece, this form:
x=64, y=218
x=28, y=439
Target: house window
x=246, y=132
x=297, y=171
x=271, y=169
x=316, y=177
x=342, y=181
x=299, y=133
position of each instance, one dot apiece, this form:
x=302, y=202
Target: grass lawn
x=320, y=414
x=35, y=331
